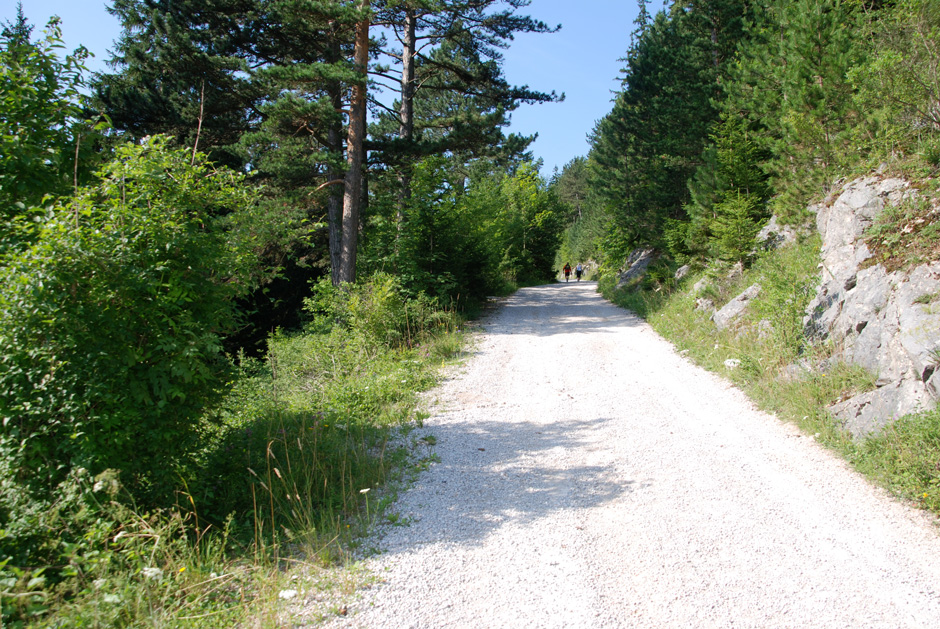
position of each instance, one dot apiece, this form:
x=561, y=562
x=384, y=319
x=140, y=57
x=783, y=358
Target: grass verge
x=303, y=457
x=784, y=372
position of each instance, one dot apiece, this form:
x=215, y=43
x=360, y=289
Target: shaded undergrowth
x=303, y=455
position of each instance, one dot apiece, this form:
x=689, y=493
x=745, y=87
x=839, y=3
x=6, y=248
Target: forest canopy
x=733, y=110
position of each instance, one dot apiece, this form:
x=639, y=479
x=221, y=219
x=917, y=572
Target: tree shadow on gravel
x=572, y=308
x=510, y=473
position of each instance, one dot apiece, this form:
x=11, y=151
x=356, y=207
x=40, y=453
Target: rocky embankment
x=885, y=321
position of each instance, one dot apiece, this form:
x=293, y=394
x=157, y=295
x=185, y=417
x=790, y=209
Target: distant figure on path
x=567, y=271
x=579, y=270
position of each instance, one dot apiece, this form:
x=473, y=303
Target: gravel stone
x=590, y=476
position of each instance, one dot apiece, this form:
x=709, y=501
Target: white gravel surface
x=590, y=476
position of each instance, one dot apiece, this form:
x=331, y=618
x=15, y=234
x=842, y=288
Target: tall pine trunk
x=406, y=111
x=352, y=194
x=335, y=172
x=335, y=203
x=406, y=122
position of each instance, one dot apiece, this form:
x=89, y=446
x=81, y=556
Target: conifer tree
x=452, y=47
x=792, y=81
x=645, y=150
x=180, y=68
x=273, y=86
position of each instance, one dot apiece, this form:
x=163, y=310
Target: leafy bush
x=281, y=465
x=379, y=311
x=110, y=323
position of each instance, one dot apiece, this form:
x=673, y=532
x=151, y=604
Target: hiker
x=578, y=271
x=567, y=270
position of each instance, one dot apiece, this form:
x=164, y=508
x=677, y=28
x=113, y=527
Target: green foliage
x=904, y=456
x=180, y=70
x=728, y=198
x=263, y=85
x=737, y=221
x=41, y=127
x=135, y=569
x=301, y=433
x=433, y=243
x=460, y=99
x=585, y=215
x=111, y=322
x=528, y=228
x=379, y=311
x=794, y=88
x=460, y=240
x=279, y=469
x=645, y=150
x=898, y=85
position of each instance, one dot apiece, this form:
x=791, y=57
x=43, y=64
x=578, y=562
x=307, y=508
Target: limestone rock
x=869, y=412
x=919, y=324
x=841, y=225
x=703, y=303
x=877, y=318
x=774, y=235
x=933, y=384
x=731, y=311
x=634, y=268
x=682, y=271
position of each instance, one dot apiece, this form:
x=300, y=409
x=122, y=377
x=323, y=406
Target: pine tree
x=181, y=69
x=792, y=82
x=651, y=143
x=463, y=39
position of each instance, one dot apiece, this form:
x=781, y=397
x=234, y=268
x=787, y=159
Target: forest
x=230, y=263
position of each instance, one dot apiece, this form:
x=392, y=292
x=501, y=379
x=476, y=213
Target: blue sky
x=581, y=60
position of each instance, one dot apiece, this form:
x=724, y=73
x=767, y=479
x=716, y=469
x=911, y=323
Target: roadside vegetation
x=217, y=312
x=789, y=101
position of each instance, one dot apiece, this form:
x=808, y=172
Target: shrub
x=110, y=323
x=378, y=311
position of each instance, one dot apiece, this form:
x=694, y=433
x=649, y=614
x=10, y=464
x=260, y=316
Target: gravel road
x=589, y=476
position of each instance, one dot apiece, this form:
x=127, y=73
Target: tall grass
x=302, y=457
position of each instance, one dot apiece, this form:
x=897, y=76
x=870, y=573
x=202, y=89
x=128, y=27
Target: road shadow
x=502, y=463
x=500, y=471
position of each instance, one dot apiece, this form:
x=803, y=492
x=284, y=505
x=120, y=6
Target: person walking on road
x=578, y=271
x=567, y=271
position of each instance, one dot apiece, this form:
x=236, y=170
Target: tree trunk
x=352, y=193
x=406, y=112
x=406, y=123
x=334, y=140
x=335, y=203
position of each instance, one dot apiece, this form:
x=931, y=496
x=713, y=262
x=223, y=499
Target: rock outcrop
x=733, y=310
x=635, y=267
x=884, y=321
x=775, y=235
